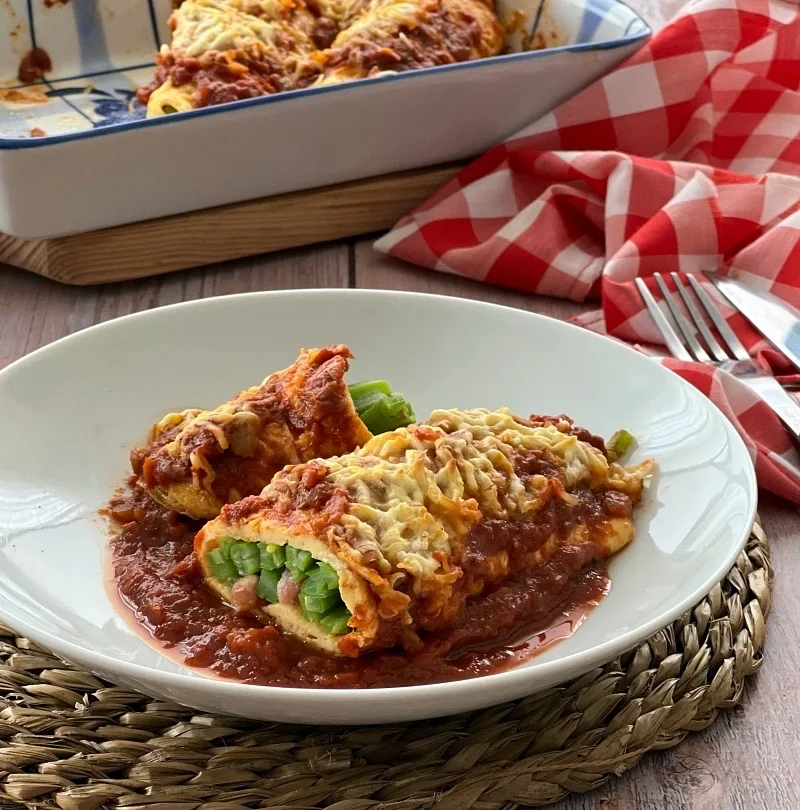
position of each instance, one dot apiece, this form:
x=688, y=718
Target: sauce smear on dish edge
x=159, y=580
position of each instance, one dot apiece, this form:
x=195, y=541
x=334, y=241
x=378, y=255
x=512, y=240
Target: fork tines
x=690, y=348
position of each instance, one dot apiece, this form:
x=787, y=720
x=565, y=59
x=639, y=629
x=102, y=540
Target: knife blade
x=778, y=321
x=770, y=390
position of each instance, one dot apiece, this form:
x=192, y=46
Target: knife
x=778, y=321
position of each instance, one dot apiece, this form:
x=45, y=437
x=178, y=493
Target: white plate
x=72, y=410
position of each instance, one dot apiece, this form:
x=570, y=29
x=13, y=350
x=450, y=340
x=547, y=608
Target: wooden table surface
x=748, y=760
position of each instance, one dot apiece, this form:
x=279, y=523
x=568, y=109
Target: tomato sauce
x=33, y=65
x=437, y=39
x=159, y=580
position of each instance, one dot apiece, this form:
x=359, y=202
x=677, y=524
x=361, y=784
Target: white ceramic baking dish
x=76, y=153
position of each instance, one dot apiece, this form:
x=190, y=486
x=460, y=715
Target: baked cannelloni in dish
x=226, y=50
x=376, y=548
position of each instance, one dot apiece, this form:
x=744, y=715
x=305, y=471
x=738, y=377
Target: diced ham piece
x=243, y=593
x=288, y=589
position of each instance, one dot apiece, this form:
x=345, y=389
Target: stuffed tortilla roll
x=370, y=549
x=197, y=461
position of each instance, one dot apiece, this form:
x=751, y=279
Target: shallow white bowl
x=72, y=410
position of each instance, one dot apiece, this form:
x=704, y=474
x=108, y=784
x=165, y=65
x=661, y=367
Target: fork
x=733, y=358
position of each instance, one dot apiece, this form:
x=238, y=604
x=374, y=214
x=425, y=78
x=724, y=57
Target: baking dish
x=77, y=154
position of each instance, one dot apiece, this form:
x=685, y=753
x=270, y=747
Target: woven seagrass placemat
x=69, y=741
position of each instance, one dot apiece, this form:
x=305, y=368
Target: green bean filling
x=618, y=445
x=379, y=408
x=319, y=598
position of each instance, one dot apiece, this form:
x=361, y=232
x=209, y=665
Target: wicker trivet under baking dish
x=68, y=740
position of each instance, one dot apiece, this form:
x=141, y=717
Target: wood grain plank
x=35, y=311
x=749, y=759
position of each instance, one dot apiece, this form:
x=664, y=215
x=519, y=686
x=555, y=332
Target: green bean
x=387, y=413
x=320, y=600
x=368, y=393
x=400, y=410
x=335, y=622
x=380, y=409
x=267, y=585
x=225, y=544
x=320, y=591
x=246, y=558
x=311, y=603
x=376, y=417
x=619, y=444
x=321, y=579
x=221, y=568
x=298, y=561
x=314, y=586
x=272, y=556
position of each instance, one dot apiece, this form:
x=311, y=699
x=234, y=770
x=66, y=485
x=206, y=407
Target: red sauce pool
x=158, y=579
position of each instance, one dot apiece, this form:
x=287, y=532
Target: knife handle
x=787, y=409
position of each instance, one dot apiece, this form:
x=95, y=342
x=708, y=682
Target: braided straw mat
x=68, y=740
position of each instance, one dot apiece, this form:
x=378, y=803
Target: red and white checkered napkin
x=687, y=158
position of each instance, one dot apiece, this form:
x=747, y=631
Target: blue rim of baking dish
x=643, y=33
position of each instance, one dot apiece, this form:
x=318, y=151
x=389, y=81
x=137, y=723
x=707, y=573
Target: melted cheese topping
x=342, y=12
x=415, y=491
x=202, y=26
x=383, y=19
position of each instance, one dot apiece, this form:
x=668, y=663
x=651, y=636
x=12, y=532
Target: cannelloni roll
x=392, y=36
x=197, y=461
x=370, y=549
x=225, y=50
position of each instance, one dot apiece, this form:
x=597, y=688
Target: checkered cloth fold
x=685, y=158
